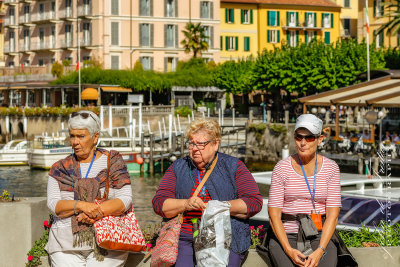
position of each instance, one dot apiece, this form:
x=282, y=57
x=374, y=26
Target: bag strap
x=203, y=181
x=107, y=189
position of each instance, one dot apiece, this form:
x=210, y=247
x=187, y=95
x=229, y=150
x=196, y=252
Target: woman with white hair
x=73, y=186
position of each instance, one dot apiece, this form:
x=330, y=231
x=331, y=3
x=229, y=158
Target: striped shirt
x=246, y=187
x=289, y=190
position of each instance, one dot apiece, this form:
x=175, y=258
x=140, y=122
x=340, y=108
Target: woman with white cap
x=304, y=202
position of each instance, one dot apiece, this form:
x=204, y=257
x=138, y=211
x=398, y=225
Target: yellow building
x=239, y=21
x=348, y=18
x=377, y=17
x=2, y=14
x=296, y=21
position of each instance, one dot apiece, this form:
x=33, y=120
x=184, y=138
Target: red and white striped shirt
x=289, y=190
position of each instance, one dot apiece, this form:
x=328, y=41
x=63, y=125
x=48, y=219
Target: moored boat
x=14, y=153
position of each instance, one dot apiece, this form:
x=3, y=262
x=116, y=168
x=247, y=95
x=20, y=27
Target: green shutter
x=287, y=18
x=278, y=18
x=288, y=37
x=332, y=20
x=268, y=18
x=305, y=36
x=327, y=37
x=226, y=43
x=268, y=36
x=322, y=20
x=246, y=43
x=306, y=18
x=241, y=16
x=297, y=38
x=297, y=18
x=236, y=43
x=251, y=16
x=220, y=43
x=382, y=8
x=232, y=10
x=382, y=38
x=226, y=15
x=315, y=19
x=279, y=36
x=374, y=8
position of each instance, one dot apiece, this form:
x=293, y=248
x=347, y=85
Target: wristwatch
x=323, y=249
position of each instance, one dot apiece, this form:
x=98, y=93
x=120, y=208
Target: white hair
x=91, y=123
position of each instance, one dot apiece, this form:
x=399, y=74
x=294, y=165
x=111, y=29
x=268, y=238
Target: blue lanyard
x=90, y=166
x=315, y=179
x=203, y=189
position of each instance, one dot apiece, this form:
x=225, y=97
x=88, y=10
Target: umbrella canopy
x=90, y=94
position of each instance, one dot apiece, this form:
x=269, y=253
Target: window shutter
x=287, y=18
x=114, y=7
x=248, y=43
x=140, y=34
x=382, y=7
x=241, y=16
x=226, y=15
x=151, y=35
x=151, y=63
x=165, y=8
x=331, y=20
x=278, y=39
x=305, y=36
x=245, y=43
x=297, y=18
x=268, y=18
x=165, y=35
x=327, y=37
x=236, y=43
x=273, y=18
x=114, y=33
x=151, y=7
x=176, y=8
x=374, y=8
x=232, y=15
x=220, y=42
x=382, y=38
x=165, y=64
x=288, y=37
x=176, y=36
x=268, y=36
x=322, y=20
x=226, y=43
x=297, y=38
x=306, y=18
x=315, y=19
x=211, y=39
x=201, y=9
x=278, y=18
x=251, y=16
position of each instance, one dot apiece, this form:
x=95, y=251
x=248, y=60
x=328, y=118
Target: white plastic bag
x=212, y=245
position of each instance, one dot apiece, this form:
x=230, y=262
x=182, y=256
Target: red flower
x=260, y=226
x=30, y=257
x=46, y=224
x=251, y=227
x=149, y=245
x=256, y=234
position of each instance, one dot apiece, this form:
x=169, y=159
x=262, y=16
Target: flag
x=367, y=17
x=77, y=66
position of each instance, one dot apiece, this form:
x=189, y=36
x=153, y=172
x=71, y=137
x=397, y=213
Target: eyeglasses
x=309, y=138
x=199, y=145
x=84, y=115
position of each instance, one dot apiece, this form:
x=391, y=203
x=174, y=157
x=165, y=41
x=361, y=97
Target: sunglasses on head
x=84, y=115
x=309, y=138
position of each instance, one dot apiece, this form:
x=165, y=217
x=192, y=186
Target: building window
x=115, y=62
x=11, y=64
x=170, y=32
x=379, y=8
x=170, y=8
x=114, y=33
x=309, y=36
x=246, y=43
x=170, y=64
x=273, y=18
x=146, y=34
x=41, y=62
x=379, y=39
x=53, y=37
x=11, y=14
x=273, y=36
x=87, y=33
x=327, y=20
x=68, y=35
x=209, y=32
x=11, y=40
x=327, y=37
x=293, y=38
x=346, y=3
x=346, y=27
x=147, y=63
x=292, y=18
x=231, y=43
x=206, y=10
x=310, y=19
x=114, y=7
x=246, y=16
x=27, y=39
x=146, y=7
x=229, y=15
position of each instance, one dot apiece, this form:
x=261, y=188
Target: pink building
x=115, y=32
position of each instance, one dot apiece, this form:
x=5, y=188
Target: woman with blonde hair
x=230, y=180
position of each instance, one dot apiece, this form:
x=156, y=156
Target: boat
x=365, y=201
x=14, y=153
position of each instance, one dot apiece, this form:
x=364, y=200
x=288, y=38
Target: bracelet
x=323, y=249
x=76, y=202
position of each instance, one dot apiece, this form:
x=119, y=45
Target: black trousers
x=280, y=259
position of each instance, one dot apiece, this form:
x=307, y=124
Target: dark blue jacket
x=221, y=186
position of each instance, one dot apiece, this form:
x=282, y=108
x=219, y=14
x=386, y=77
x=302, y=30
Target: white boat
x=364, y=201
x=14, y=153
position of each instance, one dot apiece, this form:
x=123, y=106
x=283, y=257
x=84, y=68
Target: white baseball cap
x=310, y=122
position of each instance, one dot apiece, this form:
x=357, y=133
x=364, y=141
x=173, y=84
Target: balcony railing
x=10, y=1
x=65, y=43
x=66, y=13
x=85, y=10
x=86, y=42
x=25, y=46
x=25, y=19
x=9, y=49
x=43, y=45
x=40, y=16
x=10, y=21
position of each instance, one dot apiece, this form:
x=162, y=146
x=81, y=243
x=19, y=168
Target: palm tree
x=195, y=39
x=393, y=25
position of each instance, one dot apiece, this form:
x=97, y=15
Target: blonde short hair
x=209, y=126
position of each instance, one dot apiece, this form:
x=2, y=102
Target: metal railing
x=9, y=49
x=39, y=16
x=25, y=18
x=85, y=10
x=10, y=1
x=10, y=21
x=69, y=42
x=27, y=78
x=66, y=13
x=86, y=42
x=25, y=46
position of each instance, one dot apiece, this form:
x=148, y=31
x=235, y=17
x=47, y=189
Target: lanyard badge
x=316, y=217
x=203, y=189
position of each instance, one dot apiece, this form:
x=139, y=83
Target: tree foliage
x=195, y=39
x=392, y=9
x=57, y=69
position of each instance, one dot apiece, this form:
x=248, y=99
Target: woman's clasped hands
x=90, y=212
x=195, y=203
